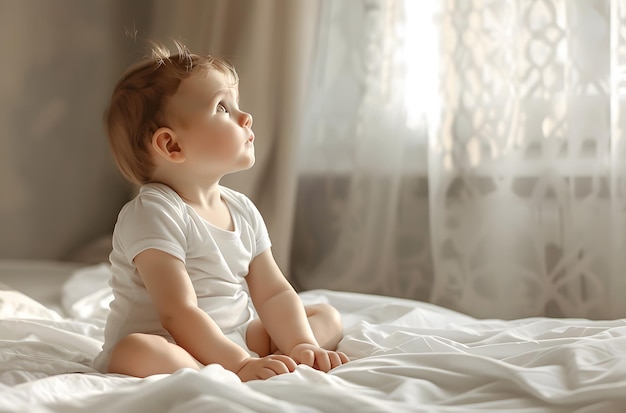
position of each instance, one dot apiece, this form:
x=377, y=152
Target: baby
x=193, y=275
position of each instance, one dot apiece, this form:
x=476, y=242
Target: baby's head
x=138, y=103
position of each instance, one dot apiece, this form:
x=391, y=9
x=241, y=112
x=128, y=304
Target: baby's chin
x=252, y=159
x=249, y=164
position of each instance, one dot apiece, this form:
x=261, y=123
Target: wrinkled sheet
x=405, y=356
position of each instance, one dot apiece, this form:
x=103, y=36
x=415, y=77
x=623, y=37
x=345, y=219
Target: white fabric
x=527, y=169
x=407, y=356
x=510, y=202
x=362, y=219
x=217, y=260
x=16, y=304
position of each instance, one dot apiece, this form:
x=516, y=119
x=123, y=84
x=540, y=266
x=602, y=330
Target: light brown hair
x=136, y=108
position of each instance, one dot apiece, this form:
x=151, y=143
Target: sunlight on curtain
x=519, y=107
x=527, y=170
x=361, y=218
x=417, y=57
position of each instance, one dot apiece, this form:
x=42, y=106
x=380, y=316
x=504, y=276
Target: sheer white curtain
x=527, y=168
x=520, y=210
x=361, y=216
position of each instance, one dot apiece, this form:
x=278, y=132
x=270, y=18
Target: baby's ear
x=165, y=144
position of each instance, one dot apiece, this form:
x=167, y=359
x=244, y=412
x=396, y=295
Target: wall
x=59, y=188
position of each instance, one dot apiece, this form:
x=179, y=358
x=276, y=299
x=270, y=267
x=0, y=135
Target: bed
x=405, y=356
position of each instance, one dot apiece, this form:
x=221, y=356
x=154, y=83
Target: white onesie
x=217, y=262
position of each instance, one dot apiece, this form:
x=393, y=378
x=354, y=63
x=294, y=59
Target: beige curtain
x=270, y=42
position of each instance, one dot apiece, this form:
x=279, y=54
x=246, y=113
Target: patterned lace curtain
x=492, y=182
x=527, y=168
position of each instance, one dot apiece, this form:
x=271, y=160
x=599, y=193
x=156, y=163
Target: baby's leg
x=143, y=355
x=325, y=322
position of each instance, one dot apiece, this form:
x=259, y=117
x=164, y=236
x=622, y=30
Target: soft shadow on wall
x=58, y=184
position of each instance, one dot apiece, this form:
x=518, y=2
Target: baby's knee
x=134, y=350
x=139, y=342
x=326, y=311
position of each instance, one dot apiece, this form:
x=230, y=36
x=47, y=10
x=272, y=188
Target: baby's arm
x=170, y=288
x=284, y=317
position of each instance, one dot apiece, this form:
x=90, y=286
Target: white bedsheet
x=406, y=356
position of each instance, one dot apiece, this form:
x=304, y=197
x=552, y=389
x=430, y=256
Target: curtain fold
x=361, y=220
x=616, y=285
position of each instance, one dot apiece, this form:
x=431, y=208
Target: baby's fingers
x=343, y=357
x=275, y=366
x=328, y=360
x=307, y=357
x=266, y=373
x=323, y=361
x=335, y=359
x=287, y=361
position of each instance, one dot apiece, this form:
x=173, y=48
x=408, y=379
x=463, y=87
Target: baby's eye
x=221, y=108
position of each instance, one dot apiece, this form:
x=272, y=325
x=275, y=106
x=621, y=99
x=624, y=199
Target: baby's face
x=214, y=133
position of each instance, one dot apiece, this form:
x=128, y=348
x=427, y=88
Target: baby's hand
x=318, y=357
x=265, y=367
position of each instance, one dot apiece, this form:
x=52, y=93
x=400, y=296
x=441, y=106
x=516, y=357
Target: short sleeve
x=261, y=235
x=153, y=220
